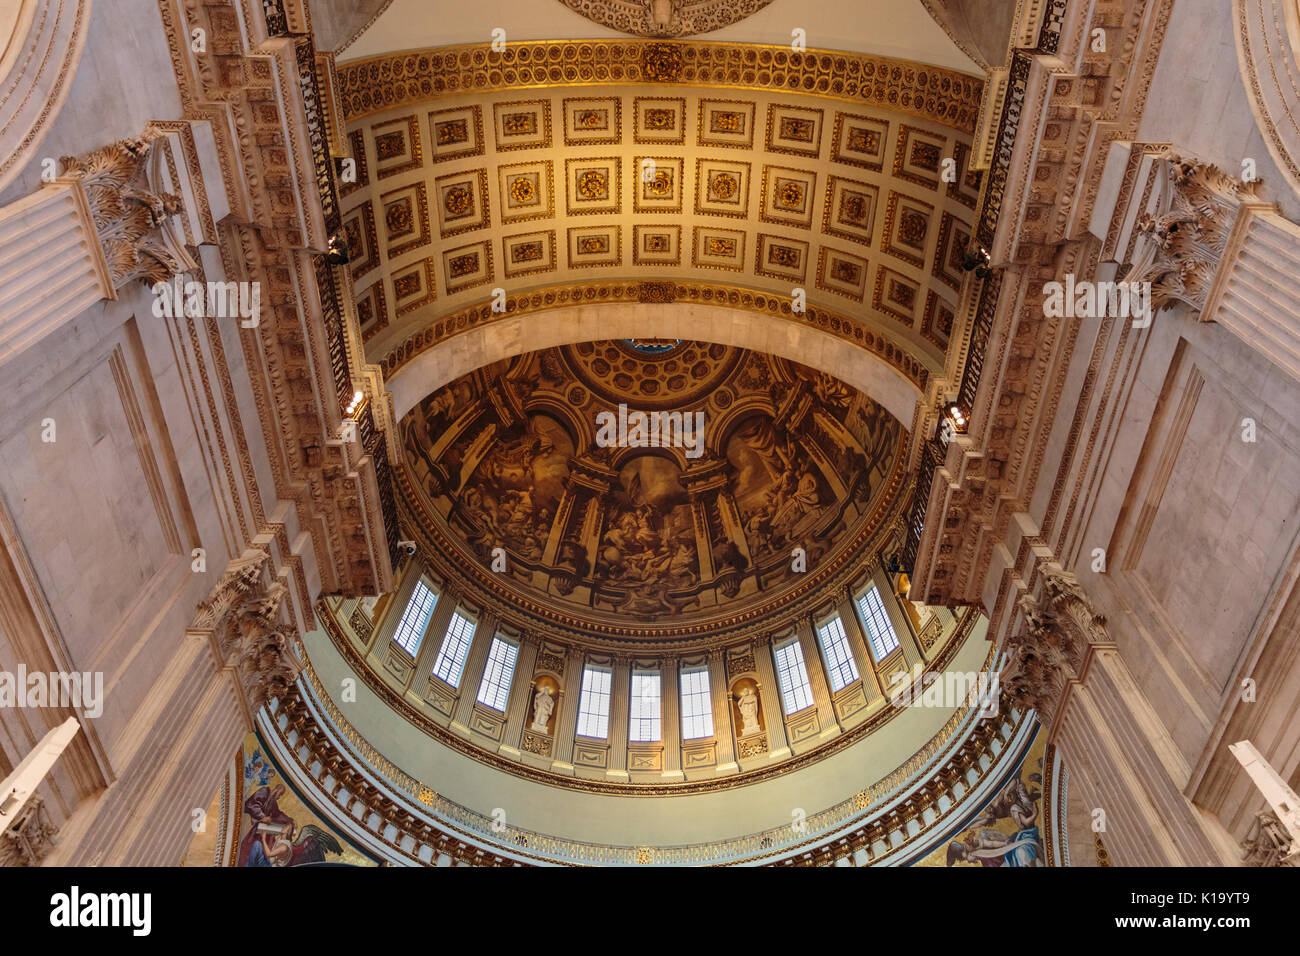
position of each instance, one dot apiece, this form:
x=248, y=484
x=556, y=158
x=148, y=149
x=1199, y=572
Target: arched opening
x=475, y=348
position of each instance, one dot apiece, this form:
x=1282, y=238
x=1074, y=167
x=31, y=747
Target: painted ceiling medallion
x=665, y=18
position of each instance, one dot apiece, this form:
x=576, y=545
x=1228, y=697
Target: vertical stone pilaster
x=670, y=710
x=567, y=726
x=818, y=680
x=471, y=675
x=520, y=700
x=1065, y=666
x=769, y=690
x=620, y=689
x=720, y=694
x=434, y=635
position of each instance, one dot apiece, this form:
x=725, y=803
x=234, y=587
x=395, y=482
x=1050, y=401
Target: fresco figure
x=269, y=840
x=1019, y=804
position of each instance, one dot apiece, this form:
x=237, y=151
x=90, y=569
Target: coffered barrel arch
x=458, y=195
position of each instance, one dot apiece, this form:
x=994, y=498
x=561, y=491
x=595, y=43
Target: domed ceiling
x=626, y=484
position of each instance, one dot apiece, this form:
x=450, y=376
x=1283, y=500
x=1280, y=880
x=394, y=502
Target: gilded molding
x=400, y=79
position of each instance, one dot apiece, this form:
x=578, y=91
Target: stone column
x=770, y=693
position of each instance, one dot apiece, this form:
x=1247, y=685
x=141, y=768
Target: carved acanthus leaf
x=132, y=214
x=1188, y=235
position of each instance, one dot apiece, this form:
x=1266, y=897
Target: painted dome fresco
x=629, y=485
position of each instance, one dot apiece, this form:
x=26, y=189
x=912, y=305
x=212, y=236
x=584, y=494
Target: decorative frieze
x=933, y=93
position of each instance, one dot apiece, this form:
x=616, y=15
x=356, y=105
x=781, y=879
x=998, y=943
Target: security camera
x=408, y=547
x=337, y=252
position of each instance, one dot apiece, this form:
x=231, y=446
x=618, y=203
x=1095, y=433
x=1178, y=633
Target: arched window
x=454, y=650
x=883, y=640
x=410, y=629
x=644, y=709
x=593, y=704
x=697, y=705
x=835, y=648
x=497, y=675
x=796, y=693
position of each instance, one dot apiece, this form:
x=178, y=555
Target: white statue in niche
x=543, y=704
x=748, y=704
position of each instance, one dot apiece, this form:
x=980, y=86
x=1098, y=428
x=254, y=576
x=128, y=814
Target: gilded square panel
x=455, y=133
x=796, y=130
x=907, y=228
x=850, y=210
x=658, y=184
x=722, y=188
x=715, y=248
x=593, y=185
x=592, y=120
x=919, y=156
x=528, y=253
x=659, y=119
x=789, y=196
x=467, y=266
x=842, y=273
x=414, y=286
x=527, y=191
x=726, y=123
x=462, y=202
x=657, y=245
x=594, y=246
x=896, y=295
x=363, y=247
x=406, y=219
x=397, y=146
x=954, y=240
x=937, y=323
x=522, y=124
x=360, y=175
x=781, y=258
x=860, y=140
x=372, y=309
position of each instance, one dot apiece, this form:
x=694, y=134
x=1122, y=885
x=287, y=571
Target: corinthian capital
x=131, y=211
